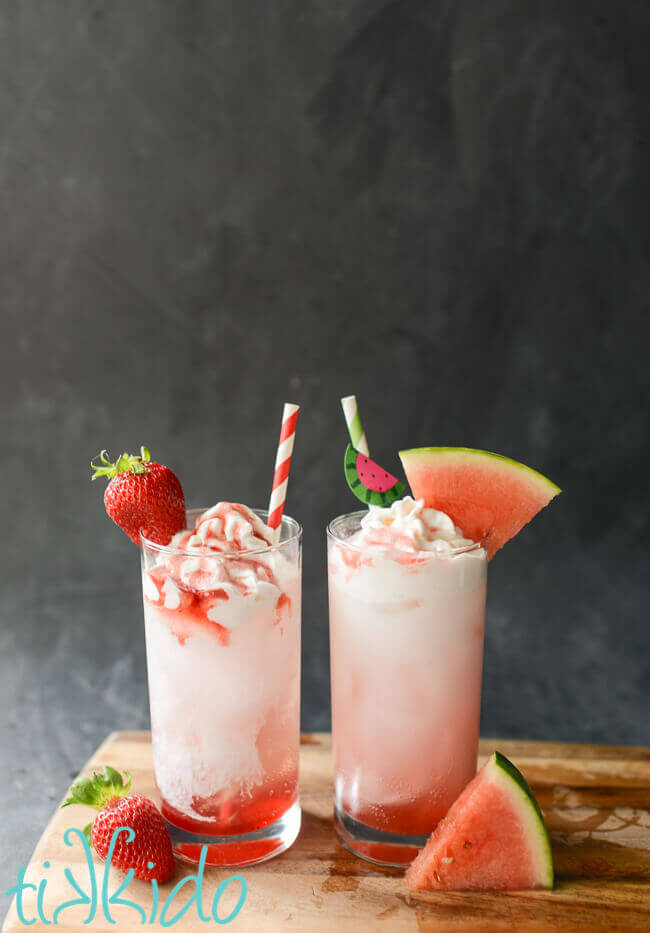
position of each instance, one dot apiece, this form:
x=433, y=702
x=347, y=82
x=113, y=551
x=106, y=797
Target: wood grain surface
x=596, y=801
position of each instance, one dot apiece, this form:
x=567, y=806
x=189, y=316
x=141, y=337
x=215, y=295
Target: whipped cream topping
x=408, y=526
x=224, y=565
x=226, y=527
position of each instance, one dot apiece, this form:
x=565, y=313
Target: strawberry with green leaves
x=149, y=853
x=142, y=496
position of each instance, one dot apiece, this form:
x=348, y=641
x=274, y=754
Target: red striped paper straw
x=282, y=466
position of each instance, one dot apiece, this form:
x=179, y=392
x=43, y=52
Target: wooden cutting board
x=596, y=801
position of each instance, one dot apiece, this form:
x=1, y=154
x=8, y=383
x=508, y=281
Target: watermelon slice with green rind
x=493, y=838
x=368, y=481
x=489, y=497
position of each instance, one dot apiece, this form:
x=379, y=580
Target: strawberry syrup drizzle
x=197, y=600
x=399, y=548
x=355, y=559
x=247, y=534
x=191, y=615
x=194, y=607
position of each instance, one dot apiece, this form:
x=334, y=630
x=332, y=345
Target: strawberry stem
x=124, y=463
x=99, y=790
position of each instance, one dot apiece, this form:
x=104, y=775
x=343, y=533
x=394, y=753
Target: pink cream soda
x=222, y=624
x=407, y=612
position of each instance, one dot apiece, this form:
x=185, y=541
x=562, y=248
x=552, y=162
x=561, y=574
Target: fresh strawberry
x=149, y=853
x=142, y=496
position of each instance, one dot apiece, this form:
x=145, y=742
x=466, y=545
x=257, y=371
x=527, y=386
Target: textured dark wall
x=211, y=207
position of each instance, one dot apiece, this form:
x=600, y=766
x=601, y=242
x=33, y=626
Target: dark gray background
x=209, y=208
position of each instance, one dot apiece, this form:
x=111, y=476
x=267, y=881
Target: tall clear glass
x=224, y=692
x=406, y=645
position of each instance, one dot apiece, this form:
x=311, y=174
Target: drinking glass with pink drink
x=222, y=625
x=407, y=611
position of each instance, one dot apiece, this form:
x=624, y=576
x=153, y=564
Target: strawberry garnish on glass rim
x=142, y=496
x=146, y=848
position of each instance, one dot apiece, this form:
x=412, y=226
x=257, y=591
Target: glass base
x=392, y=850
x=236, y=851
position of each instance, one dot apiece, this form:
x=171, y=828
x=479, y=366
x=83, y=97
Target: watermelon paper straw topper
x=368, y=481
x=282, y=467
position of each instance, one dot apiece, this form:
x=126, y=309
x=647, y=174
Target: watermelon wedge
x=489, y=497
x=492, y=839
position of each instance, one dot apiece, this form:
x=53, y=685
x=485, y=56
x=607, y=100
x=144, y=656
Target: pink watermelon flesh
x=489, y=497
x=373, y=476
x=493, y=838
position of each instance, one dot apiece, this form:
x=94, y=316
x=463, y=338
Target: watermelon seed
x=447, y=861
x=436, y=876
x=468, y=845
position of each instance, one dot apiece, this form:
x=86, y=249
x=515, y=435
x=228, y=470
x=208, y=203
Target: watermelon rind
x=538, y=477
x=368, y=496
x=531, y=814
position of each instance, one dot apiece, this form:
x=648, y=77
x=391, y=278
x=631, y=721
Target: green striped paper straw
x=353, y=421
